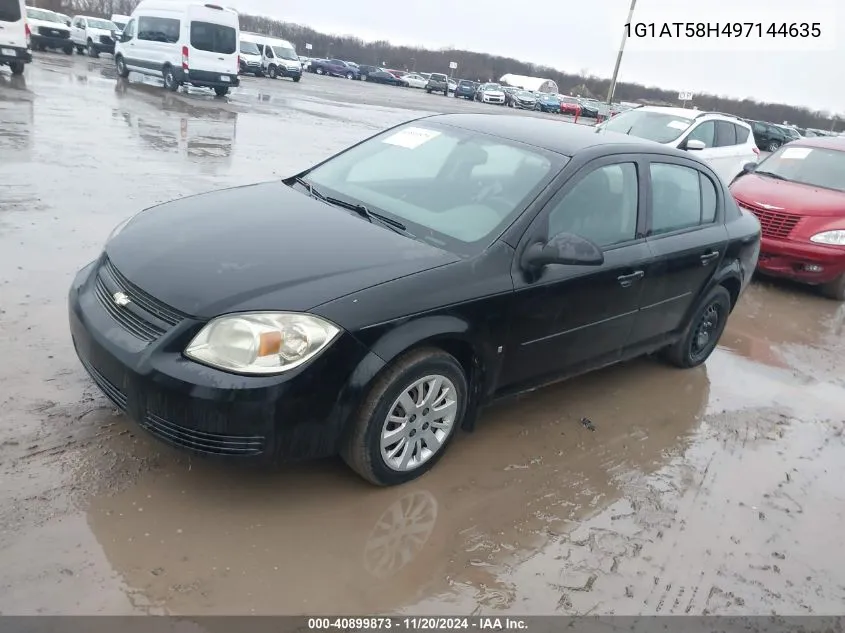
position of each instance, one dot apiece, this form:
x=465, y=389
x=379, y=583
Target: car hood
x=792, y=197
x=46, y=24
x=260, y=247
x=494, y=93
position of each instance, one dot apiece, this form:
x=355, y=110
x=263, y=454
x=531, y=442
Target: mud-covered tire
x=834, y=289
x=361, y=449
x=120, y=64
x=689, y=351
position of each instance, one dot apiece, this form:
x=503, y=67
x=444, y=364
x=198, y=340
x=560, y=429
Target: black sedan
x=371, y=305
x=383, y=77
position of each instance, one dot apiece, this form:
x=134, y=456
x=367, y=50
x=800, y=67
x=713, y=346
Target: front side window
x=704, y=132
x=455, y=188
x=601, y=207
x=681, y=198
x=741, y=134
x=660, y=127
x=129, y=31
x=158, y=29
x=214, y=38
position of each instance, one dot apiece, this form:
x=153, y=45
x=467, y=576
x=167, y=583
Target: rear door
x=12, y=24
x=687, y=236
x=213, y=39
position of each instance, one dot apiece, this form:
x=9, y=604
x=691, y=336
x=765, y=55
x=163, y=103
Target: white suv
x=723, y=140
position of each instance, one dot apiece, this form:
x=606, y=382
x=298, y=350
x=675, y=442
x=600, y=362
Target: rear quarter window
x=214, y=38
x=10, y=10
x=741, y=134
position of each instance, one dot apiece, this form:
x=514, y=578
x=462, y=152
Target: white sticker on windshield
x=411, y=137
x=678, y=125
x=798, y=153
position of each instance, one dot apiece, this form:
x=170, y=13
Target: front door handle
x=709, y=257
x=626, y=280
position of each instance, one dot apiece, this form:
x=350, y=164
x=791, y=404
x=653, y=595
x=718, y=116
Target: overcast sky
x=575, y=36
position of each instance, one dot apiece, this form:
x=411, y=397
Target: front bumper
x=801, y=261
x=203, y=410
x=21, y=55
x=207, y=79
x=496, y=100
x=524, y=105
x=104, y=46
x=50, y=41
x=292, y=73
x=253, y=68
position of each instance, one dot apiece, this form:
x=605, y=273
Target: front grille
x=48, y=32
x=106, y=386
x=211, y=443
x=145, y=317
x=105, y=39
x=773, y=223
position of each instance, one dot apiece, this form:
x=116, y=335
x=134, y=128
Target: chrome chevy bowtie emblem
x=120, y=299
x=768, y=206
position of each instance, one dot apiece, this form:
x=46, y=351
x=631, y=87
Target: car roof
x=686, y=113
x=821, y=142
x=560, y=137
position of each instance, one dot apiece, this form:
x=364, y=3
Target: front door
x=569, y=318
x=687, y=235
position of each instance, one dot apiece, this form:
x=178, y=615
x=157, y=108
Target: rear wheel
x=170, y=81
x=221, y=91
x=703, y=331
x=122, y=70
x=16, y=67
x=408, y=418
x=68, y=50
x=835, y=289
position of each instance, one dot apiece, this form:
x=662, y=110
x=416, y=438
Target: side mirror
x=747, y=168
x=563, y=248
x=695, y=144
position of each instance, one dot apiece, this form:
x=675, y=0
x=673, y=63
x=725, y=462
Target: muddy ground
x=717, y=490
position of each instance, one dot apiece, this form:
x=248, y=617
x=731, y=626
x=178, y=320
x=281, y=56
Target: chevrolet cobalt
x=371, y=305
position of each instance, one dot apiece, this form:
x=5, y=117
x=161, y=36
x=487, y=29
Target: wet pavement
x=716, y=490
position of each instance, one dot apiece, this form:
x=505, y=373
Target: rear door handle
x=709, y=257
x=626, y=280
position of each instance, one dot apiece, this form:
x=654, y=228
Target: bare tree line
x=476, y=66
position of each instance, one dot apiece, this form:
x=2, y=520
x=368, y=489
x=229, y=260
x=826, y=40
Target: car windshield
x=250, y=48
x=524, y=94
x=97, y=23
x=437, y=77
x=654, y=126
x=454, y=188
x=492, y=87
x=285, y=52
x=44, y=16
x=812, y=166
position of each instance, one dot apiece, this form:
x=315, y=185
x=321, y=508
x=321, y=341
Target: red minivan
x=798, y=194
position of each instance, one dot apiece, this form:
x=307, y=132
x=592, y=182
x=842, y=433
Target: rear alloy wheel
x=408, y=418
x=319, y=71
x=350, y=76
x=835, y=289
x=703, y=331
x=122, y=70
x=170, y=81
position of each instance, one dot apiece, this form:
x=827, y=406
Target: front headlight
x=261, y=342
x=833, y=238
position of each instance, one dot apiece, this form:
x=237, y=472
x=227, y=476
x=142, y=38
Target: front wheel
x=80, y=50
x=773, y=146
x=835, y=289
x=16, y=67
x=703, y=331
x=350, y=76
x=221, y=91
x=68, y=50
x=319, y=71
x=122, y=70
x=297, y=78
x=170, y=81
x=408, y=418
x=92, y=50
x=363, y=78
x=272, y=72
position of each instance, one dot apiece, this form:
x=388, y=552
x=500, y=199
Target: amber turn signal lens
x=269, y=343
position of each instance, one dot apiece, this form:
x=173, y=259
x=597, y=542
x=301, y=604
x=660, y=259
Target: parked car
x=48, y=30
x=438, y=82
x=547, y=102
x=798, y=194
x=452, y=85
x=194, y=44
x=335, y=68
x=509, y=90
x=250, y=60
x=92, y=35
x=425, y=76
x=383, y=77
x=392, y=316
x=768, y=136
x=15, y=36
x=396, y=73
x=589, y=108
x=569, y=105
x=465, y=89
x=791, y=132
x=490, y=93
x=413, y=80
x=723, y=141
x=524, y=100
x=364, y=70
x=278, y=56
x=120, y=22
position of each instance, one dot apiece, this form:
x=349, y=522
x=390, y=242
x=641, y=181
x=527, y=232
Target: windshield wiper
x=768, y=173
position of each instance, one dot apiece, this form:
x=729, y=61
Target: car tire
x=92, y=52
x=319, y=71
x=406, y=377
x=272, y=73
x=122, y=70
x=80, y=50
x=16, y=68
x=221, y=91
x=703, y=331
x=773, y=146
x=170, y=81
x=363, y=78
x=834, y=289
x=428, y=91
x=350, y=76
x=68, y=50
x=296, y=79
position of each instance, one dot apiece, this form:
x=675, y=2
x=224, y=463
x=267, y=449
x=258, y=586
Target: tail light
x=185, y=58
x=28, y=33
x=756, y=151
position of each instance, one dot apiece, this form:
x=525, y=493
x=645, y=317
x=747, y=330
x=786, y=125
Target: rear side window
x=214, y=38
x=725, y=134
x=678, y=198
x=708, y=199
x=10, y=10
x=741, y=134
x=158, y=29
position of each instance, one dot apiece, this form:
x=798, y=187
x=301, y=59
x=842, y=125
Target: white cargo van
x=278, y=57
x=250, y=59
x=120, y=22
x=14, y=36
x=195, y=44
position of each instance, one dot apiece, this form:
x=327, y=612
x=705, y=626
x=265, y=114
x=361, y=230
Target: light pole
x=612, y=88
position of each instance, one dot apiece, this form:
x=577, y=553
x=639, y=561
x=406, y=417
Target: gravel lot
x=716, y=490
